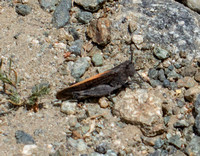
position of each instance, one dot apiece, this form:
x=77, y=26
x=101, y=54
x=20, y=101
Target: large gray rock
x=166, y=23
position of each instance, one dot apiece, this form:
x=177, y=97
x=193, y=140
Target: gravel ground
x=58, y=43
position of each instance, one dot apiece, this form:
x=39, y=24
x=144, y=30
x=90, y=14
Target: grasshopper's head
x=130, y=69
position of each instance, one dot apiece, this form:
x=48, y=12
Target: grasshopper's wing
x=102, y=78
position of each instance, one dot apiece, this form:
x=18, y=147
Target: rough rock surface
x=99, y=31
x=143, y=108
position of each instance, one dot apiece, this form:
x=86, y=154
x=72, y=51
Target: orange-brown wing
x=93, y=81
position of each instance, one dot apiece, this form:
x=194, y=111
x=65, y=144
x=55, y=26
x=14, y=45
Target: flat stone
x=29, y=149
x=160, y=53
x=100, y=31
x=84, y=17
x=79, y=67
x=141, y=107
x=97, y=59
x=186, y=82
x=90, y=5
x=191, y=94
x=175, y=140
x=61, y=15
x=137, y=39
x=23, y=9
x=76, y=47
x=181, y=124
x=24, y=138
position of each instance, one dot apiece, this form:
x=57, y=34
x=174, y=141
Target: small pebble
x=158, y=143
x=153, y=73
x=155, y=83
x=137, y=39
x=160, y=53
x=177, y=65
x=29, y=149
x=166, y=83
x=72, y=121
x=23, y=9
x=103, y=102
x=84, y=17
x=80, y=67
x=180, y=103
x=24, y=138
x=175, y=140
x=97, y=59
x=173, y=75
x=161, y=75
x=90, y=5
x=171, y=67
x=181, y=124
x=48, y=5
x=75, y=48
x=101, y=148
x=68, y=107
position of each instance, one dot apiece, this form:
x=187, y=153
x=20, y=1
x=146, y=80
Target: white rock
x=29, y=149
x=194, y=4
x=137, y=39
x=68, y=107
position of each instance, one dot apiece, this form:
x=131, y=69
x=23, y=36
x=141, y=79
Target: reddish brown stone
x=99, y=31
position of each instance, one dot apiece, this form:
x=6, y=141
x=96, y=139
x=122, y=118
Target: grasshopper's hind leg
x=98, y=91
